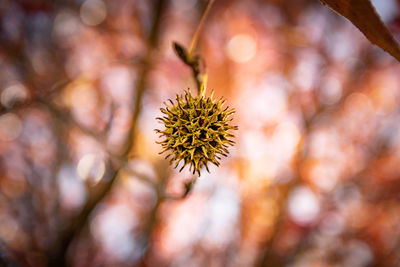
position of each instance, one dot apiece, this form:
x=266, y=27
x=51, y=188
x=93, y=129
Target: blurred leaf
x=363, y=15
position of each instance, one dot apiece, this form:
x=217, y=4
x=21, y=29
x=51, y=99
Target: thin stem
x=196, y=35
x=203, y=86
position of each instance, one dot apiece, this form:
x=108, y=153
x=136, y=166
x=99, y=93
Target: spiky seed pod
x=196, y=131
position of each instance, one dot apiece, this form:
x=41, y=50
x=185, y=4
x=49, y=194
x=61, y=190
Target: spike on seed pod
x=196, y=131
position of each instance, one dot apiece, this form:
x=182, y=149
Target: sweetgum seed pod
x=196, y=131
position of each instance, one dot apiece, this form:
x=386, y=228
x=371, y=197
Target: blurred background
x=314, y=178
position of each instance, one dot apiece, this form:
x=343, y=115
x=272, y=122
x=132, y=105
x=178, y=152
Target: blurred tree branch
x=267, y=256
x=59, y=256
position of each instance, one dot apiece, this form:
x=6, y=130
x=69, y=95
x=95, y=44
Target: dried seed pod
x=196, y=131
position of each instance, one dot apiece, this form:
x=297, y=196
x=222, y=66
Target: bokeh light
x=13, y=94
x=303, y=205
x=91, y=168
x=10, y=127
x=241, y=48
x=93, y=12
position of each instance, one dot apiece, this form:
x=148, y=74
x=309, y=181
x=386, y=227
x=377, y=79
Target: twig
x=196, y=35
x=195, y=62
